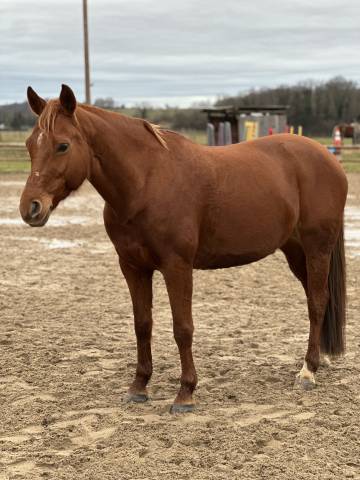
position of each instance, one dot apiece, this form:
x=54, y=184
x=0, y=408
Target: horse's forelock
x=48, y=116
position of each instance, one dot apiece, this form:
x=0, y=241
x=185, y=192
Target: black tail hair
x=333, y=329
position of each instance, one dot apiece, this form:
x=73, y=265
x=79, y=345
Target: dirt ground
x=68, y=354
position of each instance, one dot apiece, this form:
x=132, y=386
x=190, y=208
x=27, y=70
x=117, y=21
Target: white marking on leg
x=306, y=374
x=325, y=360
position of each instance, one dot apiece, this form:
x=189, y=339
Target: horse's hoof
x=182, y=408
x=304, y=384
x=136, y=398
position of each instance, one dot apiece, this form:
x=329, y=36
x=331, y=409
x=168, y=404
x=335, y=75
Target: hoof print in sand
x=136, y=398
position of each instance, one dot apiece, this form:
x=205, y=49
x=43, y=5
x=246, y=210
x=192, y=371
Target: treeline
x=314, y=105
x=17, y=116
x=169, y=117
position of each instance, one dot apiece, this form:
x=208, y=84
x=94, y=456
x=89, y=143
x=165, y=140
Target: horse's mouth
x=40, y=222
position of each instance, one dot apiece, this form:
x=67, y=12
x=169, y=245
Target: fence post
x=221, y=134
x=227, y=133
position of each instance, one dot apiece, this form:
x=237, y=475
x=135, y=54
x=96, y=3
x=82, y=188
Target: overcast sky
x=175, y=51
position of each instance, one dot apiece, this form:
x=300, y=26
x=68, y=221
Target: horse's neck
x=116, y=169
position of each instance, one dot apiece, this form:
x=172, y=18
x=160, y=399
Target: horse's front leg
x=140, y=287
x=178, y=279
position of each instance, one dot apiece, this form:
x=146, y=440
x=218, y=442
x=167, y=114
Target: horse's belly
x=241, y=237
x=237, y=246
x=213, y=261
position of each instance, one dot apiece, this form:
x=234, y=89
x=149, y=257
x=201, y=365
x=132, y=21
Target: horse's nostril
x=35, y=208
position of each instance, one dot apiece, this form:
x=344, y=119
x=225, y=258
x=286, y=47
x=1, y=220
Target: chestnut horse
x=173, y=205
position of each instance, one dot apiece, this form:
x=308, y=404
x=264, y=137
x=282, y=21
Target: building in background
x=232, y=125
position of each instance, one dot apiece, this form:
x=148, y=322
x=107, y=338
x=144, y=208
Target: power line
x=86, y=54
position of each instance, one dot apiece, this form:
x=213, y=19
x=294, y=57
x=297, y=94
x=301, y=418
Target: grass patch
x=14, y=159
x=197, y=136
x=14, y=167
x=351, y=167
x=329, y=140
x=12, y=136
x=323, y=140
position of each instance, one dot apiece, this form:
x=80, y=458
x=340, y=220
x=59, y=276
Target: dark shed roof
x=229, y=109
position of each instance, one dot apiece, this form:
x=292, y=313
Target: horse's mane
x=156, y=131
x=52, y=108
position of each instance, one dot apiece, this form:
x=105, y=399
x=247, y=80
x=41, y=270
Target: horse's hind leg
x=296, y=259
x=317, y=265
x=140, y=287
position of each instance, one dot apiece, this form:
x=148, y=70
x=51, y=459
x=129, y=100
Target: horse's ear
x=37, y=104
x=67, y=99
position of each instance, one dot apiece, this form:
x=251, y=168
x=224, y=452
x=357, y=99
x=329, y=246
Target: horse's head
x=59, y=156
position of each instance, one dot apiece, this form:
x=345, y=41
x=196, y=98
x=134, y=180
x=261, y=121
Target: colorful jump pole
x=337, y=142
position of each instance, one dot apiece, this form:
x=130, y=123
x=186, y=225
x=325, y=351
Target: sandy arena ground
x=68, y=354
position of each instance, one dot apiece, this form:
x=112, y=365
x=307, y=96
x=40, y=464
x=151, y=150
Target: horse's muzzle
x=35, y=213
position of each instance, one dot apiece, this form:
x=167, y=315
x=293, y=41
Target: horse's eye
x=62, y=147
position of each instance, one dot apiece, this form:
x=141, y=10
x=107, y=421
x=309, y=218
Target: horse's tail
x=333, y=329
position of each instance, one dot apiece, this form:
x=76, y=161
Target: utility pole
x=86, y=54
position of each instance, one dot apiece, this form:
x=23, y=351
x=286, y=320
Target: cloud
x=172, y=51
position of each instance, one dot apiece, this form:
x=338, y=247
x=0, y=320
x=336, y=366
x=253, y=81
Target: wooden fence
x=15, y=150
x=14, y=145
x=344, y=153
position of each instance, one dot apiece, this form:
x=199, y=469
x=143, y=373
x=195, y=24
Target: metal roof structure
x=230, y=109
x=231, y=124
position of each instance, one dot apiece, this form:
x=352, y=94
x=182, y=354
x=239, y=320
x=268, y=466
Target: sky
x=167, y=52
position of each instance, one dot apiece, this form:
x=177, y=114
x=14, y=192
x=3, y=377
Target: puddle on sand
x=56, y=243
x=56, y=221
x=50, y=243
x=59, y=221
x=11, y=221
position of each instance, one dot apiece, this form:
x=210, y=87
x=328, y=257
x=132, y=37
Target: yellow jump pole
x=292, y=130
x=300, y=130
